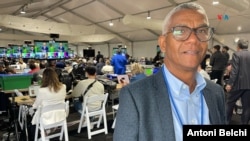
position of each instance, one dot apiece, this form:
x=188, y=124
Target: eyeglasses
x=182, y=33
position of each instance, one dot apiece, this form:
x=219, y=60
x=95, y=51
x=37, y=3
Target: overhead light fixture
x=22, y=11
x=215, y=2
x=148, y=17
x=111, y=23
x=236, y=39
x=239, y=28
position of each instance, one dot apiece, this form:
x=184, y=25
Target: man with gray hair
x=238, y=85
x=156, y=108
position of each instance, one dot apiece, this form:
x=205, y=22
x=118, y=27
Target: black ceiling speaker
x=10, y=44
x=54, y=36
x=27, y=42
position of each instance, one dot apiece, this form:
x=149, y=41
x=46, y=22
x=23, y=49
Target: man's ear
x=162, y=43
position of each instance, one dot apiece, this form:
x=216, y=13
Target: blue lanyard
x=174, y=104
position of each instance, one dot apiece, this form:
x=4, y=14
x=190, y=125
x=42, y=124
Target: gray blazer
x=239, y=76
x=145, y=114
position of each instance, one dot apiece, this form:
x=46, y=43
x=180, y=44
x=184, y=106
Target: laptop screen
x=122, y=79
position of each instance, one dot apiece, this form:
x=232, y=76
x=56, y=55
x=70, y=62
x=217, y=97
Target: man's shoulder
x=212, y=86
x=84, y=81
x=100, y=84
x=144, y=83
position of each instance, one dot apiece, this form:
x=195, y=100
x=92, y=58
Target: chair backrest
x=102, y=99
x=214, y=80
x=99, y=113
x=53, y=114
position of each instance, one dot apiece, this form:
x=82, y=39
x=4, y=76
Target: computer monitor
x=88, y=53
x=3, y=52
x=17, y=51
x=46, y=49
x=28, y=51
x=123, y=51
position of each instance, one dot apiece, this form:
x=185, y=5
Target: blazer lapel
x=164, y=106
x=210, y=104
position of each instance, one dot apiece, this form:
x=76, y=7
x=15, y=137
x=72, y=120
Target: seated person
x=81, y=88
x=60, y=64
x=51, y=92
x=34, y=71
x=10, y=70
x=107, y=68
x=99, y=66
x=22, y=64
x=2, y=69
x=137, y=72
x=33, y=67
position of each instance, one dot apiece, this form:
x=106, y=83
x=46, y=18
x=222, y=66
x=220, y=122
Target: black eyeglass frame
x=211, y=30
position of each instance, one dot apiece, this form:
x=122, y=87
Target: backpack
x=66, y=79
x=78, y=72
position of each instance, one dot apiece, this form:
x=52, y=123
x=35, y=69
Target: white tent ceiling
x=128, y=17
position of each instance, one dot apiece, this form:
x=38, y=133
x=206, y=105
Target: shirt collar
x=177, y=85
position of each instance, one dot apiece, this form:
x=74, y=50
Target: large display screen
x=123, y=50
x=45, y=49
x=17, y=51
x=3, y=51
x=69, y=54
x=42, y=49
x=88, y=53
x=28, y=51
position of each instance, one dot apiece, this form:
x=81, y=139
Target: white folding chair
x=114, y=108
x=214, y=80
x=44, y=121
x=85, y=120
x=23, y=111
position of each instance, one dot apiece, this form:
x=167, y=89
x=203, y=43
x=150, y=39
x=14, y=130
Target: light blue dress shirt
x=186, y=108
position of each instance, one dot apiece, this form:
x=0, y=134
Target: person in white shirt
x=22, y=64
x=52, y=91
x=203, y=72
x=107, y=69
x=79, y=90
